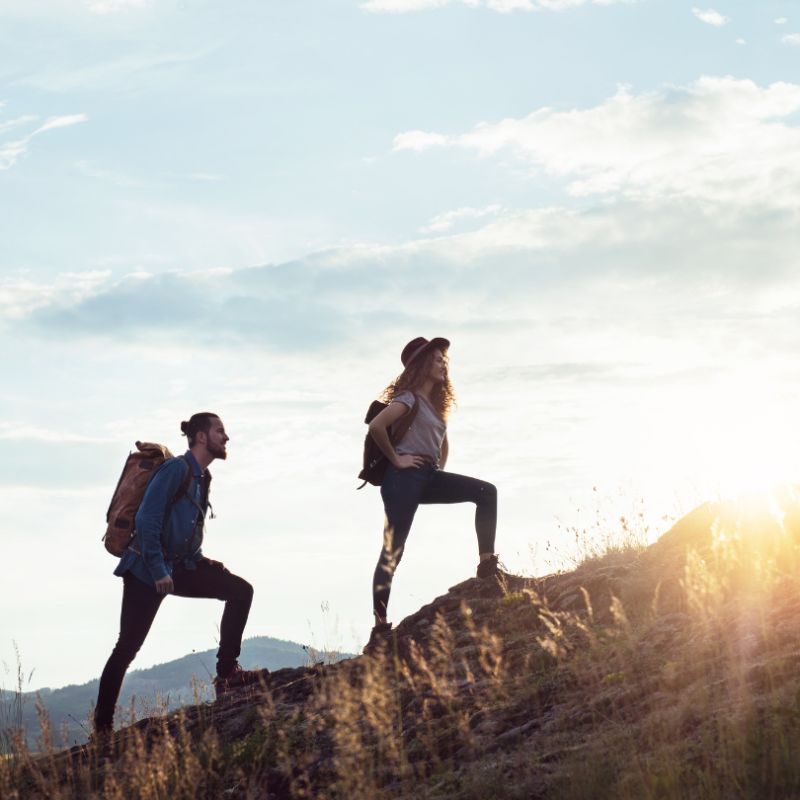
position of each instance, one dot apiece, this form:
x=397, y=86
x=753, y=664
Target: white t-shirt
x=425, y=436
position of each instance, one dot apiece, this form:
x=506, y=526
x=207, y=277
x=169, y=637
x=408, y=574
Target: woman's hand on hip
x=407, y=461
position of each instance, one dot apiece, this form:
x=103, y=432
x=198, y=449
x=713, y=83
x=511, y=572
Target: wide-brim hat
x=416, y=347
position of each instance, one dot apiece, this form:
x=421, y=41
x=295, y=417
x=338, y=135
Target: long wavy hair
x=443, y=397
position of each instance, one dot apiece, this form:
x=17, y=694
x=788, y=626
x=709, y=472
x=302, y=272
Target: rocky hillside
x=167, y=685
x=665, y=673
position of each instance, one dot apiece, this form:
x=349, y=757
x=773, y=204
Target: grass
x=12, y=703
x=656, y=671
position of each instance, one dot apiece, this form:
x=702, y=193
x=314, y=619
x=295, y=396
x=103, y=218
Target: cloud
x=61, y=122
x=781, y=21
x=419, y=140
x=21, y=296
x=717, y=138
x=741, y=41
x=443, y=222
x=11, y=152
x=791, y=38
x=520, y=267
x=503, y=6
x=704, y=181
x=711, y=17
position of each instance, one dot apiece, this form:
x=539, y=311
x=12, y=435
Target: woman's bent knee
x=488, y=492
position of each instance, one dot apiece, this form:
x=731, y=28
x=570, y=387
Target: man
x=165, y=557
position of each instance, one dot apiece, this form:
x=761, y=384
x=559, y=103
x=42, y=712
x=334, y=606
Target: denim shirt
x=165, y=531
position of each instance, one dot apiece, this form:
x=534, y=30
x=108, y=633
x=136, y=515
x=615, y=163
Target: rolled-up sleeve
x=152, y=514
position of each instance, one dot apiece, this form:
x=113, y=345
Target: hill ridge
x=669, y=671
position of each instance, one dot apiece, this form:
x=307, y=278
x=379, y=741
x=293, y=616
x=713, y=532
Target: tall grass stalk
x=12, y=703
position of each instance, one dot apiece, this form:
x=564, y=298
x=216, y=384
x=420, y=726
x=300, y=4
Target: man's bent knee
x=124, y=653
x=245, y=591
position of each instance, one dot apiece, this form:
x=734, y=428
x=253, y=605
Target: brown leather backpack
x=130, y=490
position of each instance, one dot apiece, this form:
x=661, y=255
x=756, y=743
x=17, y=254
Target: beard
x=218, y=451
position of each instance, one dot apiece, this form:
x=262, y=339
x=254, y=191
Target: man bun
x=197, y=423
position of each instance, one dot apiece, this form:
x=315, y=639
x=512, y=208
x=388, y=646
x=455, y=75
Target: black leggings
x=140, y=604
x=403, y=491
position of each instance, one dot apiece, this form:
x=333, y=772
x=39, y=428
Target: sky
x=250, y=208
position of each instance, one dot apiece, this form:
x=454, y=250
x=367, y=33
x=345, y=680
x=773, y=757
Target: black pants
x=403, y=491
x=140, y=604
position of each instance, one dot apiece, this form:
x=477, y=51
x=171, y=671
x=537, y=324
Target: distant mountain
x=170, y=682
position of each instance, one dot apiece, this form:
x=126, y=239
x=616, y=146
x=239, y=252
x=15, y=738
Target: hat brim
x=442, y=344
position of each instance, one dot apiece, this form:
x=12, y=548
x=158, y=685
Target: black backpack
x=375, y=462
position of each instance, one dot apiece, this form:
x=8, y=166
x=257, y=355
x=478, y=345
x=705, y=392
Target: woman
x=415, y=474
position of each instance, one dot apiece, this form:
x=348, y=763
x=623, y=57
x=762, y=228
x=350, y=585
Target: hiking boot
x=489, y=570
x=381, y=635
x=382, y=640
x=236, y=679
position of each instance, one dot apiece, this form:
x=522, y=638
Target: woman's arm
x=379, y=430
x=445, y=451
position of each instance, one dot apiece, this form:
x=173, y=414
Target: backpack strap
x=186, y=483
x=205, y=488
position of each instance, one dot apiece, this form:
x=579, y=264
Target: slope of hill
x=169, y=684
x=667, y=672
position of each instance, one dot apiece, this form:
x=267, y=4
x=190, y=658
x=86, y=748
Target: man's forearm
x=153, y=557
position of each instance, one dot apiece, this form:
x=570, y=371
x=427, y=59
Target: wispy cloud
x=718, y=137
x=503, y=6
x=5, y=126
x=443, y=222
x=781, y=21
x=711, y=17
x=21, y=296
x=791, y=38
x=11, y=152
x=61, y=122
